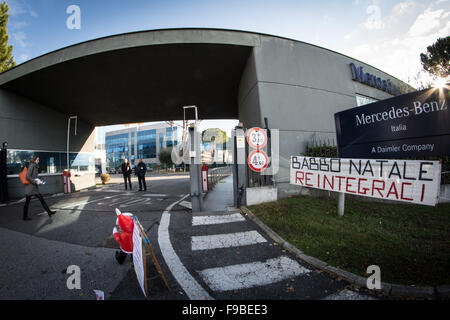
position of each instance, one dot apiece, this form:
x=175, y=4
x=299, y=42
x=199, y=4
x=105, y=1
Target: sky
x=387, y=34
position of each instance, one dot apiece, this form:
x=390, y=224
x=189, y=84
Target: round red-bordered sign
x=256, y=138
x=258, y=160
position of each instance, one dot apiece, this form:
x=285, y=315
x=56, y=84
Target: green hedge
x=321, y=151
x=445, y=160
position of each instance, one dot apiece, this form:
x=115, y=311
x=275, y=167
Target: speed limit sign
x=258, y=160
x=256, y=138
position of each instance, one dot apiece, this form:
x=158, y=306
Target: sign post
x=341, y=199
x=341, y=203
x=195, y=170
x=239, y=166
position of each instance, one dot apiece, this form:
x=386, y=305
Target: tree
x=165, y=156
x=436, y=60
x=214, y=135
x=6, y=58
x=420, y=81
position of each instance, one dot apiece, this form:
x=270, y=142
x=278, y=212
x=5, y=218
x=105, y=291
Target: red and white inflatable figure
x=124, y=235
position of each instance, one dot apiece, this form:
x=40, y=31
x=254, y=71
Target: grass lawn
x=410, y=243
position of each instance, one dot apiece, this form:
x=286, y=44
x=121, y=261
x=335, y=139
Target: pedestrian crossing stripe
x=207, y=220
x=226, y=240
x=248, y=275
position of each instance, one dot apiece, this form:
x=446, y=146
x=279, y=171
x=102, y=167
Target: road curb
x=389, y=289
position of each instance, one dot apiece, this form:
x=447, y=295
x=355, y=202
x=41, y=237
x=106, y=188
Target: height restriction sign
x=256, y=138
x=258, y=160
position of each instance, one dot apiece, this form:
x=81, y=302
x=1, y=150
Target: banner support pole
x=341, y=195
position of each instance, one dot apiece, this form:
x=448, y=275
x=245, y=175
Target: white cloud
x=23, y=57
x=406, y=32
x=20, y=38
x=426, y=23
x=17, y=25
x=18, y=7
x=402, y=13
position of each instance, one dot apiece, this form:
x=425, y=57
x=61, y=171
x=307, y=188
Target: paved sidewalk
x=221, y=197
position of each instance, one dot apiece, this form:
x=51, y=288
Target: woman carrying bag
x=32, y=189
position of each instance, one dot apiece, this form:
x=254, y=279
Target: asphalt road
x=208, y=255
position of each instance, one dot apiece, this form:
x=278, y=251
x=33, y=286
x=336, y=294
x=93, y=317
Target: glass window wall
x=116, y=150
x=146, y=144
x=49, y=161
x=169, y=136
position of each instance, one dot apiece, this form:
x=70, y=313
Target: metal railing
x=217, y=174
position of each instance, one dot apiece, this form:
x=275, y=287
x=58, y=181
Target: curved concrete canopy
x=138, y=77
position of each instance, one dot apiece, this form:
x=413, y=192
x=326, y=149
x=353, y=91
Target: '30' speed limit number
x=256, y=138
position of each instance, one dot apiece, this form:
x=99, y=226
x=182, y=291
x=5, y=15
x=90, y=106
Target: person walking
x=141, y=169
x=32, y=189
x=126, y=171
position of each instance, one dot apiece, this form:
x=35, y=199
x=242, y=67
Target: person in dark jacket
x=126, y=171
x=32, y=189
x=141, y=169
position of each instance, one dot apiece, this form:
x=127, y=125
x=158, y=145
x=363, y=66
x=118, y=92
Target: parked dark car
x=179, y=167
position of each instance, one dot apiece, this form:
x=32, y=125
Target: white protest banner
x=138, y=259
x=413, y=181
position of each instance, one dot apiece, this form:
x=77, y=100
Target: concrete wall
x=53, y=184
x=248, y=96
x=130, y=40
x=299, y=87
x=27, y=125
x=261, y=195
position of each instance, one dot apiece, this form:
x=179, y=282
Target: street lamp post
x=68, y=136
